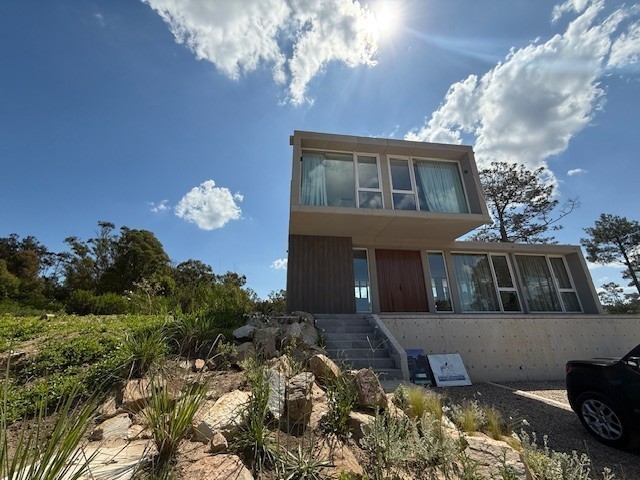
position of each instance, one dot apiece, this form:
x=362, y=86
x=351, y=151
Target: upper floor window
x=427, y=185
x=329, y=179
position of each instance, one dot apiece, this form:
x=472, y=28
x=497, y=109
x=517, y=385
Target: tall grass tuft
x=145, y=349
x=170, y=420
x=420, y=401
x=195, y=335
x=47, y=453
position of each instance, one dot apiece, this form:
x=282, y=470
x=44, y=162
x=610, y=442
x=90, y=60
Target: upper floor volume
x=383, y=189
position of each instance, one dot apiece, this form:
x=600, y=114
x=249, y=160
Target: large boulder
x=342, y=458
x=305, y=317
x=324, y=369
x=265, y=341
x=281, y=364
x=490, y=455
x=299, y=400
x=226, y=415
x=217, y=467
x=300, y=335
x=370, y=392
x=135, y=395
x=244, y=333
x=360, y=425
x=243, y=352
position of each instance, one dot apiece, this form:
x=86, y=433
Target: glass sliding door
x=439, y=282
x=361, y=281
x=538, y=284
x=475, y=283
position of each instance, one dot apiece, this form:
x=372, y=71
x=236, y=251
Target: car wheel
x=603, y=419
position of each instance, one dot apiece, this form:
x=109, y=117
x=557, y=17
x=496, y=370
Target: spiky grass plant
x=302, y=464
x=170, y=420
x=494, y=424
x=341, y=395
x=145, y=349
x=470, y=416
x=47, y=453
x=254, y=439
x=419, y=401
x=195, y=335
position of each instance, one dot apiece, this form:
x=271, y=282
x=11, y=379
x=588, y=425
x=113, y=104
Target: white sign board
x=448, y=370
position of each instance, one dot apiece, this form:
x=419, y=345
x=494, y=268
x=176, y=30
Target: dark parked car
x=605, y=393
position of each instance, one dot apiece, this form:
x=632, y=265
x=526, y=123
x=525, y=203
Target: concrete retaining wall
x=517, y=347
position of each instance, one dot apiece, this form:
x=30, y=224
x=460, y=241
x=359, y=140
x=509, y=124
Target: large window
x=485, y=283
x=547, y=284
x=427, y=185
x=329, y=179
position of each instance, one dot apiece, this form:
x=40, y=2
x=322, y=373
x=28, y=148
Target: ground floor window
x=439, y=282
x=547, y=284
x=361, y=281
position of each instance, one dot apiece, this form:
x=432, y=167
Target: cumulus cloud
x=208, y=206
x=279, y=264
x=161, y=206
x=576, y=171
x=295, y=38
x=626, y=49
x=529, y=106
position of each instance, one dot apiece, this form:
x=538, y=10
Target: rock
x=324, y=369
x=244, y=351
x=185, y=365
x=115, y=462
x=112, y=429
x=340, y=455
x=305, y=317
x=317, y=394
x=136, y=432
x=135, y=395
x=218, y=443
x=318, y=411
x=47, y=316
x=198, y=365
x=280, y=364
x=225, y=416
x=300, y=335
x=277, y=393
x=370, y=392
x=108, y=409
x=217, y=467
x=265, y=340
x=491, y=455
x=244, y=333
x=360, y=425
x=299, y=403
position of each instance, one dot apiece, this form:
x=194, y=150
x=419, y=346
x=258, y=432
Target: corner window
x=439, y=187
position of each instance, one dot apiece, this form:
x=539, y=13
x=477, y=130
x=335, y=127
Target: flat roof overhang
x=381, y=224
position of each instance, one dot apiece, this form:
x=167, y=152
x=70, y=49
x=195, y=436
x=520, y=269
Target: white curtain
x=314, y=183
x=538, y=284
x=475, y=283
x=441, y=187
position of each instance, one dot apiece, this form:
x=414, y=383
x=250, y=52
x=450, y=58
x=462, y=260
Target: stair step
x=346, y=329
x=333, y=322
x=371, y=344
x=376, y=363
x=358, y=353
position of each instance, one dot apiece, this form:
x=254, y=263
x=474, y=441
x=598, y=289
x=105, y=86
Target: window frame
x=366, y=252
x=446, y=273
x=411, y=164
x=505, y=289
x=558, y=291
x=357, y=178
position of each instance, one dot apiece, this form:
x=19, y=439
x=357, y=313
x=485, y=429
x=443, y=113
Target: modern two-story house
x=373, y=228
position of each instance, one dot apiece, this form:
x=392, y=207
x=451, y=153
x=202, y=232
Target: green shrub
x=81, y=302
x=386, y=442
x=110, y=304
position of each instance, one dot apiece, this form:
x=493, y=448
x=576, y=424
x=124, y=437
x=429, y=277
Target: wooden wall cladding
x=320, y=274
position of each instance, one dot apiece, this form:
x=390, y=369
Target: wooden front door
x=401, y=281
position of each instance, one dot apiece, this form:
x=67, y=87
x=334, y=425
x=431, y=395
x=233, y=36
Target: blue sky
x=175, y=115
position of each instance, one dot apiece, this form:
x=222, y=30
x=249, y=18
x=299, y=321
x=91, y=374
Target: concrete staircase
x=353, y=341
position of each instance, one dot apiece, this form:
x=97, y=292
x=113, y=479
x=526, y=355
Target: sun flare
x=387, y=16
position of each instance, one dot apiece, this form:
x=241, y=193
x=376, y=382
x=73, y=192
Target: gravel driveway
x=545, y=408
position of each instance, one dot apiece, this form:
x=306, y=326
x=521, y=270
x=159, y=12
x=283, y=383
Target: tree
x=615, y=239
x=521, y=204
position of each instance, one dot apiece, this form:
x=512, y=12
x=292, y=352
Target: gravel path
x=553, y=418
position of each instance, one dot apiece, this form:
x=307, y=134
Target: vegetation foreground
x=170, y=398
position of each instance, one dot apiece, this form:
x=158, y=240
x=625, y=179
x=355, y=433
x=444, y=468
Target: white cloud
x=626, y=48
x=576, y=171
x=99, y=18
x=296, y=38
x=577, y=6
x=279, y=264
x=528, y=107
x=161, y=206
x=208, y=206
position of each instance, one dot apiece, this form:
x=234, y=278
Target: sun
x=387, y=15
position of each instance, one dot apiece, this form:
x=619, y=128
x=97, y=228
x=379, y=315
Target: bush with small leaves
x=342, y=396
